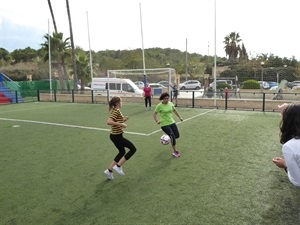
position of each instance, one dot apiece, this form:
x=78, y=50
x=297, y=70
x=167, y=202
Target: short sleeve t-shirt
x=291, y=153
x=147, y=91
x=116, y=116
x=165, y=112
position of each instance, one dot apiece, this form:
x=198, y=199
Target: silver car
x=191, y=85
x=296, y=84
x=139, y=84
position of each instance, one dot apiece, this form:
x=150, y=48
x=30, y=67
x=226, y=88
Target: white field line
x=34, y=108
x=68, y=125
x=96, y=128
x=201, y=114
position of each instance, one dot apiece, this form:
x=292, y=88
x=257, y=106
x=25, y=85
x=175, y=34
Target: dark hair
x=163, y=95
x=290, y=123
x=113, y=102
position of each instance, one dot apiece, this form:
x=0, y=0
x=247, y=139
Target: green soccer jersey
x=165, y=113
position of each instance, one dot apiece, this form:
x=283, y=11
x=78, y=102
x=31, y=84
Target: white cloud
x=265, y=26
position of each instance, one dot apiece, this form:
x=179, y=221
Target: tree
x=73, y=48
x=83, y=69
x=243, y=53
x=52, y=15
x=59, y=53
x=232, y=47
x=24, y=55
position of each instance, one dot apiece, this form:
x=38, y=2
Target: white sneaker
x=109, y=175
x=119, y=170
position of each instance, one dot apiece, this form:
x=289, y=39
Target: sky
x=265, y=26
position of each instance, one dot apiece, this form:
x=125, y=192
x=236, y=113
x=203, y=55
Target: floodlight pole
x=169, y=78
x=186, y=60
x=49, y=55
x=215, y=59
x=91, y=60
x=262, y=74
x=143, y=52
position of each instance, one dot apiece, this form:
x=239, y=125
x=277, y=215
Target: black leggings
x=172, y=131
x=121, y=142
x=148, y=99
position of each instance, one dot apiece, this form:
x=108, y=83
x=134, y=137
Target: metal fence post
x=226, y=97
x=264, y=102
x=73, y=96
x=193, y=100
x=16, y=93
x=92, y=92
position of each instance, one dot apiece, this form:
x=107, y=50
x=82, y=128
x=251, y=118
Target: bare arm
x=177, y=114
x=282, y=107
x=155, y=118
x=110, y=122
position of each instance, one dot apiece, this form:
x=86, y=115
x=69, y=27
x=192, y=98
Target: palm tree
x=59, y=53
x=232, y=47
x=73, y=48
x=83, y=69
x=52, y=15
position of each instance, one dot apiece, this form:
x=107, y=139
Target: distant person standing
x=226, y=92
x=165, y=109
x=147, y=95
x=175, y=92
x=117, y=123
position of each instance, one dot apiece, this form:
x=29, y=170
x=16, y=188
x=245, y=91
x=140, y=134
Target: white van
x=115, y=86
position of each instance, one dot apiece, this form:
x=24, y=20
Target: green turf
x=53, y=173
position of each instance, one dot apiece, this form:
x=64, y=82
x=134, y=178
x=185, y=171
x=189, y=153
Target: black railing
x=254, y=100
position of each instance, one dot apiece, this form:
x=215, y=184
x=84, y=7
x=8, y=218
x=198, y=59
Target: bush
x=223, y=86
x=250, y=84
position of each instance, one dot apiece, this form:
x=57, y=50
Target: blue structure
x=15, y=96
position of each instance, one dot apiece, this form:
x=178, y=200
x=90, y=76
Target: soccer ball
x=165, y=139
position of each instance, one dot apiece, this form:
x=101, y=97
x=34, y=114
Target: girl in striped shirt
x=117, y=123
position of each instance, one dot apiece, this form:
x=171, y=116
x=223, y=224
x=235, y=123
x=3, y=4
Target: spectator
x=175, y=92
x=227, y=92
x=290, y=138
x=147, y=96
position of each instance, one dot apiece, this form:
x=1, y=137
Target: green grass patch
x=53, y=156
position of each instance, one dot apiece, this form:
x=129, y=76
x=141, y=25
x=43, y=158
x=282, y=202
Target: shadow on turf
x=162, y=161
x=286, y=203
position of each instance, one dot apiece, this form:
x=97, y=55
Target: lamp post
x=262, y=63
x=169, y=77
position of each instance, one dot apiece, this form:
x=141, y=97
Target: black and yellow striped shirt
x=116, y=116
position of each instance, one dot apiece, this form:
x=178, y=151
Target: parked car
x=190, y=84
x=272, y=84
x=156, y=85
x=264, y=84
x=296, y=84
x=139, y=84
x=273, y=88
x=221, y=82
x=164, y=83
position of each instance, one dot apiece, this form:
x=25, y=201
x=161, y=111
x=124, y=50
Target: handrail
x=3, y=77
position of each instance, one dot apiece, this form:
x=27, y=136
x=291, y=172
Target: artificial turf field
x=52, y=158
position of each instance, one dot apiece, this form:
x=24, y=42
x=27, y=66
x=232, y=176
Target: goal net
x=155, y=77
